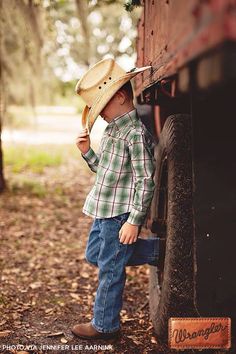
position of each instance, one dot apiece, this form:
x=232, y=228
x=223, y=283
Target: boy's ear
x=122, y=96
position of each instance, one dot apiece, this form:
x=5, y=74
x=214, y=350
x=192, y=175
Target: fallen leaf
x=153, y=340
x=35, y=285
x=137, y=342
x=64, y=340
x=84, y=275
x=75, y=296
x=74, y=285
x=15, y=316
x=150, y=327
x=80, y=257
x=49, y=310
x=45, y=332
x=5, y=333
x=55, y=334
x=129, y=319
x=133, y=338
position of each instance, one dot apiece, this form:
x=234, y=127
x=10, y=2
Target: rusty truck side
x=190, y=95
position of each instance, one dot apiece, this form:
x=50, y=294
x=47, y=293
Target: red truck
x=188, y=100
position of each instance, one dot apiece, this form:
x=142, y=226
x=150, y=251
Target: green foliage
x=66, y=95
x=32, y=170
x=31, y=158
x=131, y=4
x=47, y=44
x=90, y=31
x=27, y=185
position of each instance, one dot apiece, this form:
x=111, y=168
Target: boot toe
x=87, y=331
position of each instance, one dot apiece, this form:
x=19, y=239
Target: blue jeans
x=105, y=251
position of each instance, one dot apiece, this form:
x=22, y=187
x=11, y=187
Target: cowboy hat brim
x=90, y=114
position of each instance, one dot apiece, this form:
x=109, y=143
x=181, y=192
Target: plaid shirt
x=124, y=169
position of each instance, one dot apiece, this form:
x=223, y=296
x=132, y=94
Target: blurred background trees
x=46, y=45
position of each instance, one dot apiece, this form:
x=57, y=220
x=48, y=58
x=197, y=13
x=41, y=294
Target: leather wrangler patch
x=199, y=333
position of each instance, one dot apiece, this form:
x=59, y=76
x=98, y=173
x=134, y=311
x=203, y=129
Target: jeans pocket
x=121, y=219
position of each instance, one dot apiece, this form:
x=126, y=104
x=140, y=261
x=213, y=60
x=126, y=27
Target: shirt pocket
x=119, y=156
x=102, y=145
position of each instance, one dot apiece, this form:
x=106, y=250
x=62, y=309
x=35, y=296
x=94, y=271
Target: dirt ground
x=46, y=284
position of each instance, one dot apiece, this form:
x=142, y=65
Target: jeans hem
x=101, y=330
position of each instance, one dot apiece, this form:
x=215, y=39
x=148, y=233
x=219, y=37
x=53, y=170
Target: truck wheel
x=171, y=285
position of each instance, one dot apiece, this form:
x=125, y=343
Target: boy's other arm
x=143, y=167
x=83, y=144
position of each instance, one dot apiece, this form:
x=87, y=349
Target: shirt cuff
x=89, y=155
x=136, y=217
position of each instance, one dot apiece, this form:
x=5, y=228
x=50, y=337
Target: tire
x=172, y=284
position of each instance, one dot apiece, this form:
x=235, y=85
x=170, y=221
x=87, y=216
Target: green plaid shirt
x=124, y=169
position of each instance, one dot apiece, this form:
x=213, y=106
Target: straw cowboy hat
x=99, y=84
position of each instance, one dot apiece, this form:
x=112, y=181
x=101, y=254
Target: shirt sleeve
x=92, y=159
x=143, y=167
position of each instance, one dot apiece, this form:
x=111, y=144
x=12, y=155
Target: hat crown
x=99, y=84
x=97, y=78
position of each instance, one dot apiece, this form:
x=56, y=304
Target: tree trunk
x=2, y=107
x=2, y=179
x=83, y=12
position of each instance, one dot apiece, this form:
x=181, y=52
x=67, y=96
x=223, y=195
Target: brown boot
x=87, y=331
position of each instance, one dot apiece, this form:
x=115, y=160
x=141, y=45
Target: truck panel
x=172, y=33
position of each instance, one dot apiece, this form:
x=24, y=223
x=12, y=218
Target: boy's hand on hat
x=83, y=141
x=128, y=233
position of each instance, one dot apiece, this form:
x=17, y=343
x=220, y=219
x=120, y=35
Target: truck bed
x=172, y=33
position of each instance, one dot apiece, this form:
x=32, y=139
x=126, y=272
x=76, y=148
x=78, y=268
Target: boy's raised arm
x=92, y=159
x=83, y=144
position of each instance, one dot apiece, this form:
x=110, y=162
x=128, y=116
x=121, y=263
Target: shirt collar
x=124, y=119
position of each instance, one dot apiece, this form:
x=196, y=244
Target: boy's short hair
x=127, y=88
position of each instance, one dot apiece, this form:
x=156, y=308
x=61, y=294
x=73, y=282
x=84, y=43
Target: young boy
x=121, y=195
